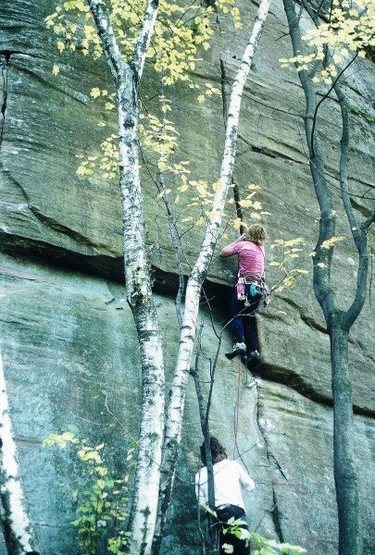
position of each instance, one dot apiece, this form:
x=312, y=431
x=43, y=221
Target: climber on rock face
x=229, y=479
x=248, y=293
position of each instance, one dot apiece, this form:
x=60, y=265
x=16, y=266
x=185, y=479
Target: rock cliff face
x=66, y=333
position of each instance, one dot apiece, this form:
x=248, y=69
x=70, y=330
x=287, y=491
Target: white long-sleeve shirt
x=229, y=478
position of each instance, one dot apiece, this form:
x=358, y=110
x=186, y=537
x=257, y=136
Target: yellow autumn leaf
x=329, y=243
x=60, y=46
x=95, y=92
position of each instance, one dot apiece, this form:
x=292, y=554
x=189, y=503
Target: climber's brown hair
x=256, y=234
x=218, y=452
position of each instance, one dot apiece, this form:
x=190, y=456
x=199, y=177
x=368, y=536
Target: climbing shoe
x=239, y=349
x=255, y=360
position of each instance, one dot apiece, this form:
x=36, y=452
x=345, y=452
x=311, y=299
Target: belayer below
x=229, y=479
x=249, y=291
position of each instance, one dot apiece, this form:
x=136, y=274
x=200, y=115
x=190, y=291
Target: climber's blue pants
x=243, y=325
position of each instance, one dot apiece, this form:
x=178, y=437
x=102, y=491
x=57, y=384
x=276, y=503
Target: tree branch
x=325, y=96
x=204, y=409
x=359, y=235
x=365, y=226
x=107, y=37
x=176, y=245
x=198, y=274
x=343, y=167
x=203, y=414
x=323, y=257
x=144, y=37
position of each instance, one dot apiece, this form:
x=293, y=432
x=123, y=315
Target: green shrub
x=100, y=499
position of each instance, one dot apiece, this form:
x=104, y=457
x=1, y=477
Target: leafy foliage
x=180, y=31
x=349, y=30
x=287, y=258
x=100, y=499
x=260, y=544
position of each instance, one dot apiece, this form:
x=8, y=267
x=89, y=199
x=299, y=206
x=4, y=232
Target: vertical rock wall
x=70, y=351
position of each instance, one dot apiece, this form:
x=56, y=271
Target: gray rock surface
x=69, y=354
x=67, y=335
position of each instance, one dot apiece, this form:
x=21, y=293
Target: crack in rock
x=266, y=151
x=102, y=265
x=285, y=376
x=4, y=61
x=273, y=462
x=53, y=224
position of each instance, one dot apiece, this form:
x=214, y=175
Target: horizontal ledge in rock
x=107, y=267
x=285, y=376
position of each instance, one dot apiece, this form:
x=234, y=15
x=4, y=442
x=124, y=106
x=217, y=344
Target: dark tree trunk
x=338, y=322
x=343, y=442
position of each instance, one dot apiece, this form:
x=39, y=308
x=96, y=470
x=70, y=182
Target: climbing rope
x=237, y=408
x=237, y=413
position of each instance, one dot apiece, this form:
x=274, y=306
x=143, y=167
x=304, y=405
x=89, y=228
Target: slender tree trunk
x=176, y=245
x=126, y=77
x=140, y=299
x=338, y=322
x=343, y=434
x=15, y=522
x=172, y=433
x=204, y=409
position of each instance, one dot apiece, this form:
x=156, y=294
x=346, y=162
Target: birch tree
x=339, y=319
x=126, y=77
x=14, y=518
x=173, y=427
x=126, y=71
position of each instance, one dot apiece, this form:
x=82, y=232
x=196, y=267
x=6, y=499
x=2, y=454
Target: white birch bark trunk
x=139, y=296
x=173, y=426
x=15, y=521
x=138, y=283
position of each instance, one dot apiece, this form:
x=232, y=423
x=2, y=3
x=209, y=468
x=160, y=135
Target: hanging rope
x=237, y=413
x=237, y=408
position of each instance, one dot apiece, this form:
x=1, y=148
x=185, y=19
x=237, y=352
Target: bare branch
x=326, y=95
x=176, y=245
x=203, y=413
x=368, y=223
x=350, y=316
x=343, y=167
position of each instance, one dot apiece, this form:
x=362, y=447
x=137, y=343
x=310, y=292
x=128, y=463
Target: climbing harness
x=252, y=289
